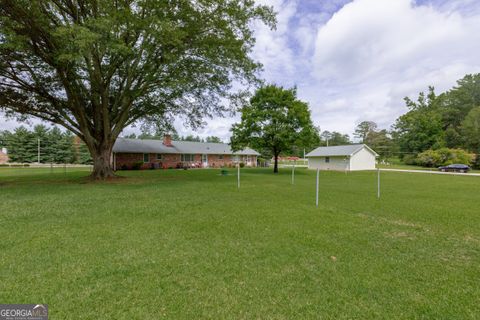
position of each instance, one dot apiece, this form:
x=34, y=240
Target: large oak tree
x=97, y=66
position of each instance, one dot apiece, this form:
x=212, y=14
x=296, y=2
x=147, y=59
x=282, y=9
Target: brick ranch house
x=156, y=154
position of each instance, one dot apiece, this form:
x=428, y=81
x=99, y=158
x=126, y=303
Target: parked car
x=455, y=168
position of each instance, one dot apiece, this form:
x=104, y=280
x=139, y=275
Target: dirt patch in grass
x=471, y=239
x=391, y=221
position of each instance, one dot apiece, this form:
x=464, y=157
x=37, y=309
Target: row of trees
x=451, y=119
x=47, y=145
x=175, y=136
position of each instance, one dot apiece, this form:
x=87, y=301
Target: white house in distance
x=342, y=158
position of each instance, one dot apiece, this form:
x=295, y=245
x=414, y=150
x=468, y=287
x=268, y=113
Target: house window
x=146, y=158
x=159, y=156
x=220, y=157
x=235, y=158
x=327, y=159
x=188, y=157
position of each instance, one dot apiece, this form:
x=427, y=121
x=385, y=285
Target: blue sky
x=356, y=60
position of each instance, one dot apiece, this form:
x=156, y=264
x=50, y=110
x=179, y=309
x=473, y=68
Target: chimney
x=167, y=140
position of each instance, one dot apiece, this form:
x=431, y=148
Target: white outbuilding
x=351, y=157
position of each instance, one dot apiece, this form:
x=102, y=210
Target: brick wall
x=174, y=161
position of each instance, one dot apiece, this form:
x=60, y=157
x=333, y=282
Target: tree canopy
x=470, y=129
x=449, y=119
x=274, y=121
x=334, y=138
x=96, y=67
x=421, y=127
x=363, y=129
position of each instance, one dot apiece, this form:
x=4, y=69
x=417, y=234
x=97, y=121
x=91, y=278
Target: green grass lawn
x=187, y=244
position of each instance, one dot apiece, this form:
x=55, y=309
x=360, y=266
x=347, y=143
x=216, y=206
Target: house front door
x=205, y=160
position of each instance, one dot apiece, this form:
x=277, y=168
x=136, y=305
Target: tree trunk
x=275, y=167
x=102, y=166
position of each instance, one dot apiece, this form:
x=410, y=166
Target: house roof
x=186, y=147
x=346, y=150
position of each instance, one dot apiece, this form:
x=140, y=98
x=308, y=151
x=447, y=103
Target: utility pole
x=38, y=153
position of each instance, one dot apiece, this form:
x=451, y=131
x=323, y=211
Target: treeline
x=175, y=136
x=55, y=145
x=323, y=138
x=438, y=128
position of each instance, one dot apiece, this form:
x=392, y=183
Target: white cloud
x=372, y=53
x=272, y=47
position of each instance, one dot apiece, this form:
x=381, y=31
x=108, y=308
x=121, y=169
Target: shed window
x=188, y=157
x=146, y=157
x=327, y=159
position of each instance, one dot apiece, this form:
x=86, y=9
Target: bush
x=137, y=165
x=410, y=159
x=444, y=156
x=242, y=164
x=124, y=167
x=429, y=158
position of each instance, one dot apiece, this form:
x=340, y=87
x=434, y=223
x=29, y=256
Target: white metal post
x=293, y=172
x=316, y=199
x=378, y=183
x=238, y=176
